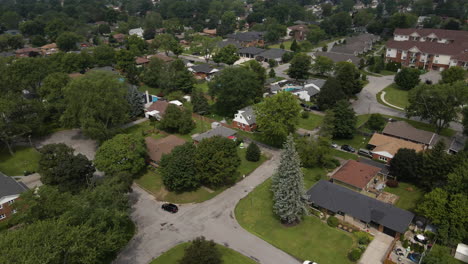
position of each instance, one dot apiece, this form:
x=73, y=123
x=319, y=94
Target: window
x=382, y=158
x=2, y=216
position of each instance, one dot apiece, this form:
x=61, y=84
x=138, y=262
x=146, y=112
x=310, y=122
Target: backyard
x=311, y=239
x=24, y=159
x=310, y=123
x=409, y=195
x=152, y=182
x=176, y=253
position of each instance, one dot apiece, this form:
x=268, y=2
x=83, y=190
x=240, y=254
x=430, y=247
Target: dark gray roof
x=246, y=36
x=251, y=50
x=7, y=54
x=224, y=43
x=337, y=198
x=218, y=131
x=275, y=87
x=9, y=186
x=458, y=143
x=383, y=167
x=204, y=68
x=402, y=129
x=338, y=57
x=356, y=44
x=273, y=53
x=249, y=115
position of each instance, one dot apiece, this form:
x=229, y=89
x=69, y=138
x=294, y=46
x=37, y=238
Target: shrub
x=333, y=221
x=305, y=114
x=376, y=122
x=252, y=153
x=405, y=243
x=362, y=237
x=392, y=183
x=355, y=254
x=393, y=66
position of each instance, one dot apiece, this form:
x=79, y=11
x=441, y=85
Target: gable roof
x=440, y=33
x=161, y=56
x=356, y=174
x=9, y=186
x=273, y=53
x=251, y=50
x=218, y=131
x=159, y=106
x=224, y=43
x=385, y=145
x=249, y=114
x=158, y=147
x=341, y=199
x=401, y=129
x=203, y=68
x=429, y=47
x=141, y=60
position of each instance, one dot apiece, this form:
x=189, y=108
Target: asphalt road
x=159, y=231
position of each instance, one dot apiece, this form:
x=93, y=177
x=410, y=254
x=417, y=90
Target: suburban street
x=159, y=231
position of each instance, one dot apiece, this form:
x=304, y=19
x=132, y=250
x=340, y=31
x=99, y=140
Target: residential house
x=248, y=39
x=338, y=57
x=272, y=54
x=158, y=147
x=461, y=253
x=27, y=52
x=310, y=89
x=220, y=131
x=356, y=45
x=385, y=147
x=12, y=32
x=428, y=48
x=403, y=130
x=245, y=119
x=250, y=52
x=209, y=32
x=203, y=71
x=457, y=144
x=297, y=32
x=225, y=42
x=157, y=109
x=49, y=49
x=10, y=190
x=136, y=31
x=119, y=37
x=162, y=57
x=355, y=175
x=141, y=61
x=358, y=209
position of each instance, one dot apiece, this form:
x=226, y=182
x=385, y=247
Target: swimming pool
x=290, y=89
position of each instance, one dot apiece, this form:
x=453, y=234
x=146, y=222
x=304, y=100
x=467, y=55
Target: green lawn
x=176, y=253
x=311, y=239
x=344, y=155
x=313, y=175
x=287, y=45
x=387, y=73
x=152, y=182
x=310, y=123
x=396, y=96
x=202, y=86
x=409, y=194
x=362, y=119
x=24, y=159
x=201, y=126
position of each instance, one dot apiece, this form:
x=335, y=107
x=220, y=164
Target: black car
x=170, y=207
x=348, y=148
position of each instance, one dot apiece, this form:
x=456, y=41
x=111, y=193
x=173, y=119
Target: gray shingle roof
x=249, y=115
x=204, y=68
x=273, y=53
x=251, y=50
x=338, y=57
x=218, y=131
x=224, y=43
x=9, y=186
x=401, y=129
x=337, y=198
x=246, y=36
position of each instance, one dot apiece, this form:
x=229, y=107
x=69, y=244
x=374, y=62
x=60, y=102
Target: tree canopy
x=300, y=66
x=407, y=78
x=178, y=169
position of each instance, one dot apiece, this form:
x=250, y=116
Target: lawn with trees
x=25, y=159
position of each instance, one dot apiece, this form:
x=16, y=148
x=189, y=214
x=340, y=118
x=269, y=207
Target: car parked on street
x=334, y=145
x=348, y=148
x=170, y=207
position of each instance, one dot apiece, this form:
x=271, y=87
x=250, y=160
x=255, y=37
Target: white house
x=136, y=31
x=462, y=253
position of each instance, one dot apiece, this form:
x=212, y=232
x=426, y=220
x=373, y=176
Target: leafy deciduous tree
x=300, y=66
x=407, y=78
x=177, y=120
x=178, y=169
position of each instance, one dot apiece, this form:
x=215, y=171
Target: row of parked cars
x=348, y=148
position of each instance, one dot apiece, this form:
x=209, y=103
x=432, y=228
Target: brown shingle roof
x=141, y=60
x=391, y=145
x=428, y=47
x=401, y=129
x=158, y=147
x=159, y=106
x=356, y=174
x=440, y=33
x=161, y=57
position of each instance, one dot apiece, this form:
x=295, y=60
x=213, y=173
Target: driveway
x=376, y=250
x=72, y=138
x=159, y=231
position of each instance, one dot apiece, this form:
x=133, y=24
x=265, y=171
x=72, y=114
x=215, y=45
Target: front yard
x=409, y=195
x=311, y=239
x=396, y=96
x=176, y=253
x=152, y=182
x=24, y=159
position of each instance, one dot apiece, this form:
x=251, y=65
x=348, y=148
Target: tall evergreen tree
x=200, y=103
x=135, y=101
x=288, y=186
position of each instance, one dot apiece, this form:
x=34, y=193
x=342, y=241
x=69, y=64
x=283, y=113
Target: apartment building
x=427, y=48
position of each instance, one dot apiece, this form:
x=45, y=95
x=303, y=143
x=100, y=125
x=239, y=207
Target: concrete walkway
x=375, y=251
x=159, y=231
x=382, y=97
